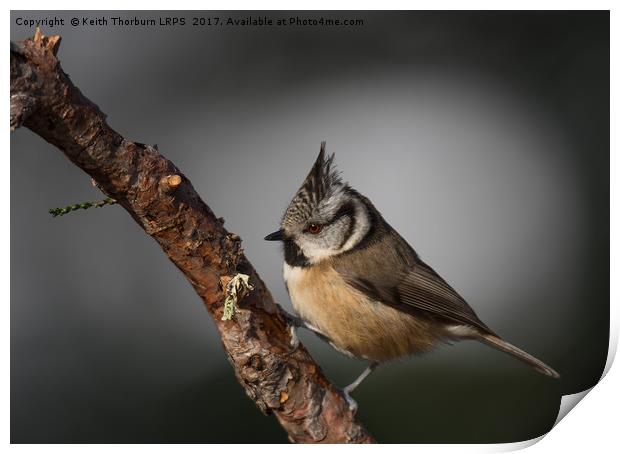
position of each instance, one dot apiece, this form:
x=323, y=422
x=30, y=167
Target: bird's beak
x=276, y=236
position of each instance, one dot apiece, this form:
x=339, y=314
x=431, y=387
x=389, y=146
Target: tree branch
x=280, y=380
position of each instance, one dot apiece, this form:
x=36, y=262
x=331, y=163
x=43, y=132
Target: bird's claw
x=350, y=401
x=293, y=323
x=294, y=339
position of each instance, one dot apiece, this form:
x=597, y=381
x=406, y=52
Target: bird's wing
x=417, y=288
x=424, y=289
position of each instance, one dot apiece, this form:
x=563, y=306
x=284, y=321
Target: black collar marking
x=293, y=255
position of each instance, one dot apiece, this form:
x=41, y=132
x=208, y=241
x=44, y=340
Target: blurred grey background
x=482, y=137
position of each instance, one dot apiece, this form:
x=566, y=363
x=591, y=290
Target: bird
x=355, y=282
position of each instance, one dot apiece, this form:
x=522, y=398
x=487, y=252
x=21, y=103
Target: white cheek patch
x=315, y=253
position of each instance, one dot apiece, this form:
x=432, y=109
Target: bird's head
x=325, y=218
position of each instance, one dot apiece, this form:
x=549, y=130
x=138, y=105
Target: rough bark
x=280, y=380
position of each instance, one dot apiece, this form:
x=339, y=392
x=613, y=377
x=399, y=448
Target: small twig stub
x=170, y=182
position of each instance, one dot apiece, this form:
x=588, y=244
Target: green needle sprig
x=81, y=206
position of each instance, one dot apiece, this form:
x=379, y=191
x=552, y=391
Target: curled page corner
x=568, y=402
x=518, y=445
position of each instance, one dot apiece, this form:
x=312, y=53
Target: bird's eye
x=315, y=228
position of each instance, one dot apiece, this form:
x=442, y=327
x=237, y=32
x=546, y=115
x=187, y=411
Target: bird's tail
x=506, y=347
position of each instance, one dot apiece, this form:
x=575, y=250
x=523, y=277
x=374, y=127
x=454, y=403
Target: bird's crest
x=322, y=182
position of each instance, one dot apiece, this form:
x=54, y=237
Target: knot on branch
x=22, y=105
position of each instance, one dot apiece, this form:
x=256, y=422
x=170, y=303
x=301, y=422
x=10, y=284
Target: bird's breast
x=353, y=323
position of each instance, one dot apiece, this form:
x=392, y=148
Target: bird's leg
x=347, y=390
